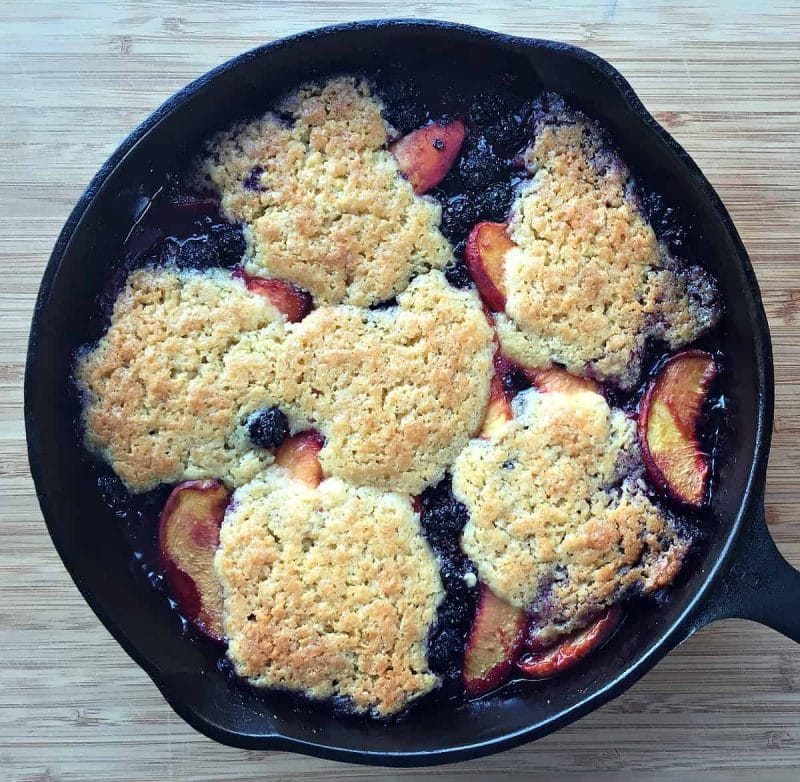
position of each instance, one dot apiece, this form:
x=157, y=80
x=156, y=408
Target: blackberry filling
x=488, y=107
x=666, y=222
x=253, y=180
x=113, y=493
x=510, y=134
x=403, y=106
x=514, y=380
x=442, y=518
x=197, y=252
x=494, y=203
x=384, y=305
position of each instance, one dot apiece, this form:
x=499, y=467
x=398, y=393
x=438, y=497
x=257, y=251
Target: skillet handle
x=759, y=585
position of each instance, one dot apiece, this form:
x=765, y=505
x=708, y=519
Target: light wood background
x=724, y=77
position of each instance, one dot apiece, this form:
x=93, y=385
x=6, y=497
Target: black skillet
x=739, y=573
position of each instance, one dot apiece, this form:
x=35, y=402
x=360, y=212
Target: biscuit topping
x=330, y=591
x=157, y=402
x=557, y=522
x=173, y=387
x=323, y=198
x=588, y=280
x=397, y=392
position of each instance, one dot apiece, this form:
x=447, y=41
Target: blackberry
x=253, y=180
x=443, y=516
x=458, y=217
x=480, y=165
x=452, y=571
x=230, y=243
x=514, y=381
x=197, y=252
x=511, y=133
x=494, y=203
x=268, y=428
x=445, y=649
x=447, y=638
x=384, y=305
x=458, y=274
x=486, y=108
x=403, y=106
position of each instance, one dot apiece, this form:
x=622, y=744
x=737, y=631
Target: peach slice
x=572, y=649
x=188, y=535
x=485, y=253
x=300, y=456
x=550, y=379
x=425, y=155
x=558, y=379
x=668, y=418
x=292, y=301
x=494, y=643
x=498, y=410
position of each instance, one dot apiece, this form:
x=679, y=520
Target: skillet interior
x=92, y=544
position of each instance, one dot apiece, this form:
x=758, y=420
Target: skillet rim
x=687, y=622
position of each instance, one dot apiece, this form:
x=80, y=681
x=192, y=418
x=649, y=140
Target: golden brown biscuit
x=329, y=591
x=555, y=526
x=155, y=405
x=397, y=392
x=190, y=355
x=588, y=280
x=323, y=201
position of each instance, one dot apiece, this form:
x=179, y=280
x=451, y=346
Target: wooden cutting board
x=723, y=77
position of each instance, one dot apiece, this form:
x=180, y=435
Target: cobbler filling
x=186, y=231
x=443, y=518
x=178, y=228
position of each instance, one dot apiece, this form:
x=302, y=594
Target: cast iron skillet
x=740, y=573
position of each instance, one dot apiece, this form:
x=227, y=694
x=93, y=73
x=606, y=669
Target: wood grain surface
x=723, y=77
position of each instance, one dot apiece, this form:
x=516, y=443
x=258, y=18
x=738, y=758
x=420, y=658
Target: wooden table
x=76, y=77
